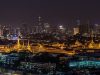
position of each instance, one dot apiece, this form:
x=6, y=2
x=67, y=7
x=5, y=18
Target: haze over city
x=16, y=12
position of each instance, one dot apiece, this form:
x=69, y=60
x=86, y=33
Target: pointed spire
x=62, y=46
x=39, y=18
x=40, y=47
x=92, y=34
x=92, y=44
x=23, y=46
x=78, y=43
x=18, y=43
x=28, y=46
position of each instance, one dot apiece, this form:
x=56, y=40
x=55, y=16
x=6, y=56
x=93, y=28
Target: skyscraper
x=38, y=27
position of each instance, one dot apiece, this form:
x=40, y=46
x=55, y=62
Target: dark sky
x=53, y=11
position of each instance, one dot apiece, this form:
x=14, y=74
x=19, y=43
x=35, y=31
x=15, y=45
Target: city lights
x=49, y=37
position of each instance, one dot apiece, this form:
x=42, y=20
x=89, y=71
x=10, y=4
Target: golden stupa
x=92, y=44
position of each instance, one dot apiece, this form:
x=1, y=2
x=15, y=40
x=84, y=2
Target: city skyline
x=55, y=12
x=49, y=37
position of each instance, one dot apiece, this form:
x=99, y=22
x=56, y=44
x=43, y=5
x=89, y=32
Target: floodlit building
x=76, y=31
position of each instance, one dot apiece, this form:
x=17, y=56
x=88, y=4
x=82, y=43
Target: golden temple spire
x=28, y=46
x=92, y=37
x=91, y=44
x=62, y=46
x=18, y=43
x=40, y=47
x=23, y=46
x=78, y=43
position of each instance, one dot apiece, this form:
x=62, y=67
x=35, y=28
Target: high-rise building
x=78, y=22
x=25, y=29
x=86, y=28
x=1, y=31
x=6, y=31
x=76, y=31
x=46, y=28
x=38, y=26
x=97, y=28
x=61, y=28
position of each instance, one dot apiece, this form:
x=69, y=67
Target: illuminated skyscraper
x=6, y=31
x=46, y=27
x=97, y=29
x=76, y=30
x=78, y=22
x=38, y=27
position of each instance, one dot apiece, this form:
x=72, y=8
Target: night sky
x=16, y=12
